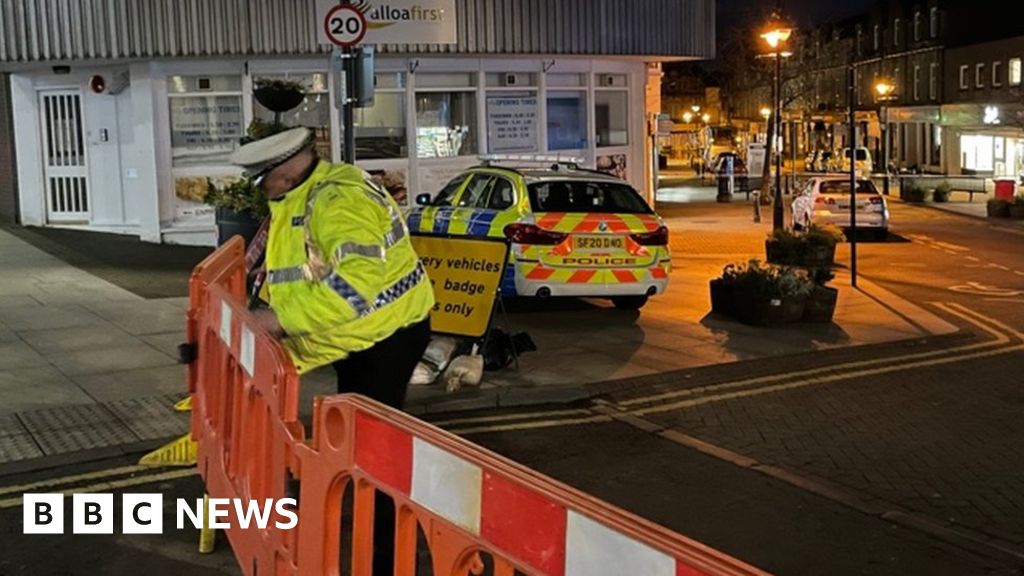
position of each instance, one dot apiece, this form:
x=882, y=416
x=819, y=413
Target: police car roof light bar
x=557, y=160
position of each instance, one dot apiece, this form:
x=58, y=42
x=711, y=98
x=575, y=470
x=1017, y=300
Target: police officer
x=345, y=285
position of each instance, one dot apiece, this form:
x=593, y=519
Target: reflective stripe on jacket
x=341, y=270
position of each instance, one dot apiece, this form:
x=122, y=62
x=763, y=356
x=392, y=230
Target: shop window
x=963, y=77
x=936, y=145
x=979, y=75
x=381, y=129
x=446, y=124
x=567, y=120
x=314, y=111
x=512, y=121
x=997, y=70
x=611, y=116
x=205, y=117
x=1014, y=70
x=976, y=152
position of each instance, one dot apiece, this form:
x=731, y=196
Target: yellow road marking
x=999, y=340
x=113, y=485
x=507, y=417
x=531, y=425
x=823, y=380
x=49, y=482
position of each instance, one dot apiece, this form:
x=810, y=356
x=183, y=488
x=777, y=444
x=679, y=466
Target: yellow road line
x=507, y=417
x=979, y=317
x=114, y=485
x=999, y=340
x=823, y=380
x=22, y=488
x=531, y=425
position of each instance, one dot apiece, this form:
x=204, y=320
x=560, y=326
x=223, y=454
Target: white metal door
x=64, y=165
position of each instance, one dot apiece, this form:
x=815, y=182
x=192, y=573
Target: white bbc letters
x=142, y=513
x=43, y=514
x=92, y=514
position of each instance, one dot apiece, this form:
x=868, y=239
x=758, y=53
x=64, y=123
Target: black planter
x=1017, y=211
x=761, y=310
x=785, y=254
x=998, y=209
x=820, y=305
x=819, y=256
x=722, y=299
x=231, y=223
x=277, y=100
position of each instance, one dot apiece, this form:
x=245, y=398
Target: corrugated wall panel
x=40, y=30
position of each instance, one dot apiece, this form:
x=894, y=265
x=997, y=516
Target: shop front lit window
x=381, y=129
x=446, y=124
x=206, y=119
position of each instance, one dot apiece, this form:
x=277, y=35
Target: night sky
x=802, y=12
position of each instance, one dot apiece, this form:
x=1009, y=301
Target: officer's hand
x=267, y=320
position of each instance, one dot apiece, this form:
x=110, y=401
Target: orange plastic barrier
x=474, y=507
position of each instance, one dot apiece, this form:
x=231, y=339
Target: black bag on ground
x=500, y=348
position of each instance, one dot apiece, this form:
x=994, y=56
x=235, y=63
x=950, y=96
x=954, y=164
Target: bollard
x=207, y=535
x=757, y=206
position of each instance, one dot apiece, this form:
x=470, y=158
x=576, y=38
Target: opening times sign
x=511, y=123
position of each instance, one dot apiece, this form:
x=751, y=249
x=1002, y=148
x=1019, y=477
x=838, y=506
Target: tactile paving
x=151, y=418
x=15, y=441
x=78, y=427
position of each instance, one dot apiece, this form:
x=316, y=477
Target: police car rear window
x=583, y=196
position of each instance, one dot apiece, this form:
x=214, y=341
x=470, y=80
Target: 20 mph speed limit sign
x=345, y=26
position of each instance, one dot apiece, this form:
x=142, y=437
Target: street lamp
x=775, y=34
x=687, y=117
x=885, y=91
x=695, y=108
x=706, y=117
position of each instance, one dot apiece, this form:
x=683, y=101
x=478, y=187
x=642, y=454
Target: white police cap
x=263, y=155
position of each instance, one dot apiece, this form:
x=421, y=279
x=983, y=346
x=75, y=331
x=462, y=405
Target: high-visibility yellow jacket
x=341, y=271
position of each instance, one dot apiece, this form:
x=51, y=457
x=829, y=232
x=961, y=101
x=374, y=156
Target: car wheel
x=629, y=302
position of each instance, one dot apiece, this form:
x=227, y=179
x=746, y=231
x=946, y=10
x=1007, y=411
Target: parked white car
x=864, y=164
x=827, y=199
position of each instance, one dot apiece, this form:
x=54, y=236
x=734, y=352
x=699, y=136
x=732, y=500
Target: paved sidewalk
x=87, y=365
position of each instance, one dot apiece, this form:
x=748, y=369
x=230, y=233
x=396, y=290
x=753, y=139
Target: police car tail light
x=657, y=238
x=532, y=234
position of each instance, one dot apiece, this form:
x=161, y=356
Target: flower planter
x=785, y=254
x=761, y=310
x=820, y=305
x=278, y=100
x=1017, y=211
x=722, y=298
x=819, y=256
x=231, y=223
x=998, y=209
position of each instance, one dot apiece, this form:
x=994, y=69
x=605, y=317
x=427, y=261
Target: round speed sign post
x=345, y=26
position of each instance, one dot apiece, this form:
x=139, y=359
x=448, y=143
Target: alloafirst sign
x=399, y=21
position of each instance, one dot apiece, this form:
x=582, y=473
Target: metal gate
x=65, y=169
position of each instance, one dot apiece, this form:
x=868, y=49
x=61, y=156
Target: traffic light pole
x=852, y=147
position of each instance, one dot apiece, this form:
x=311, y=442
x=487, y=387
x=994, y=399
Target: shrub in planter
x=785, y=247
x=912, y=192
x=1017, y=208
x=240, y=207
x=820, y=245
x=941, y=192
x=998, y=208
x=279, y=95
x=769, y=295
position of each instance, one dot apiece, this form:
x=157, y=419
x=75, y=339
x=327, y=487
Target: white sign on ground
x=395, y=21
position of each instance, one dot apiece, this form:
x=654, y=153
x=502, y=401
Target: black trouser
x=382, y=372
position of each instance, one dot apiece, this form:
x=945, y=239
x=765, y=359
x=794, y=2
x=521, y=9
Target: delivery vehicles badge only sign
x=466, y=274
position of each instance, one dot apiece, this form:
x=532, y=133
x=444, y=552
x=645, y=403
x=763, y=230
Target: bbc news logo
x=143, y=513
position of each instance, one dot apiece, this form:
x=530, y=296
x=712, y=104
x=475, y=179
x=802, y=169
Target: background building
x=119, y=111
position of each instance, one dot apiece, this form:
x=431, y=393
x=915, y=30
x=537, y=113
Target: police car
x=573, y=232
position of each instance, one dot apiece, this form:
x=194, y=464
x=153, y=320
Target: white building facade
x=123, y=111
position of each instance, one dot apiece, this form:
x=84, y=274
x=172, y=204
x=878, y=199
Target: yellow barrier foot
x=183, y=405
x=207, y=535
x=180, y=452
